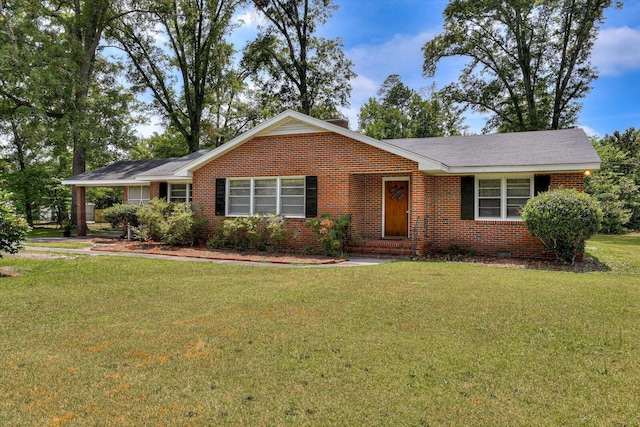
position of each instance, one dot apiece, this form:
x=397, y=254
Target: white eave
x=167, y=178
x=105, y=183
x=555, y=168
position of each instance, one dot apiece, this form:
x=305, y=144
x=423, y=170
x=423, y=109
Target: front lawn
x=128, y=341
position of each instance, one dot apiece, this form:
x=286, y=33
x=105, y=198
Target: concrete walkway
x=352, y=262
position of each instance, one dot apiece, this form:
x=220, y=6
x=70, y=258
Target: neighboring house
x=405, y=196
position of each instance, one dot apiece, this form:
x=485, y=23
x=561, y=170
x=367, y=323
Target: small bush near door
x=563, y=220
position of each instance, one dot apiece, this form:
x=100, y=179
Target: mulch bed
x=119, y=245
x=112, y=245
x=586, y=265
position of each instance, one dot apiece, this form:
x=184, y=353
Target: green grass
x=119, y=341
x=62, y=245
x=51, y=230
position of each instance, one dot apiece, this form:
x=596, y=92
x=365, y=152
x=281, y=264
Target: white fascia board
x=581, y=167
x=167, y=178
x=103, y=183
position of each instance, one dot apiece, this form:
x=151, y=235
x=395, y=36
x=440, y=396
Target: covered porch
x=388, y=213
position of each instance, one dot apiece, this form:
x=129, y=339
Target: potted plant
x=67, y=226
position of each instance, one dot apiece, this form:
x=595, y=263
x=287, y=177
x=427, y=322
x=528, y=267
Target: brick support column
x=418, y=212
x=81, y=219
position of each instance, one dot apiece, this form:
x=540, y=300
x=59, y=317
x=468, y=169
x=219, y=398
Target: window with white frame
x=138, y=195
x=502, y=198
x=247, y=196
x=180, y=193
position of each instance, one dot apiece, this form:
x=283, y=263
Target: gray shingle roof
x=128, y=170
x=557, y=147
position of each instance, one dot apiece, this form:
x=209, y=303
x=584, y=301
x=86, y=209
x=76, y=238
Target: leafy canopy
x=529, y=59
x=401, y=112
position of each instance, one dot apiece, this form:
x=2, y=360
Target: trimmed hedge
x=563, y=220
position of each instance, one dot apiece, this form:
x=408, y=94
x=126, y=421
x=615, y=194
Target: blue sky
x=383, y=37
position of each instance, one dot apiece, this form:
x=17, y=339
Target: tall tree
x=50, y=65
x=176, y=49
x=529, y=63
x=401, y=112
x=293, y=66
x=616, y=185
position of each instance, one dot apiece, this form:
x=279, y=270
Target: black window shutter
x=221, y=189
x=163, y=190
x=541, y=184
x=311, y=196
x=467, y=196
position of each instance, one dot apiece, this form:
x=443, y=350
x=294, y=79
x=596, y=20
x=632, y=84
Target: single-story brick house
x=405, y=196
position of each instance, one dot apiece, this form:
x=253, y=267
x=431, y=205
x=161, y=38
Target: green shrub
x=563, y=220
x=216, y=239
x=178, y=229
x=152, y=220
x=330, y=232
x=277, y=232
x=121, y=215
x=242, y=233
x=13, y=227
x=252, y=232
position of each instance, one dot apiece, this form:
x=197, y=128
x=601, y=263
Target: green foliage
x=104, y=197
x=153, y=220
x=171, y=223
x=400, y=112
x=292, y=66
x=616, y=185
x=191, y=79
x=121, y=215
x=242, y=233
x=528, y=60
x=330, y=232
x=257, y=232
x=13, y=227
x=563, y=220
x=277, y=231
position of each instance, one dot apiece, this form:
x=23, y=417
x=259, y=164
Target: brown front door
x=396, y=208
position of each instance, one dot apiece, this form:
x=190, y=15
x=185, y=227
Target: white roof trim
x=105, y=183
x=167, y=178
x=289, y=115
x=572, y=168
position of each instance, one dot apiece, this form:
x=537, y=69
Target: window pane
x=292, y=196
x=265, y=193
x=239, y=197
x=489, y=188
x=489, y=208
x=178, y=193
x=518, y=192
x=138, y=195
x=518, y=187
x=489, y=198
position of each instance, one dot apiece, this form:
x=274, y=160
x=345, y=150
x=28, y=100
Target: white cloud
x=589, y=131
x=616, y=50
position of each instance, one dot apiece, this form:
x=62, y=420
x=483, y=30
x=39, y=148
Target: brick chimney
x=343, y=123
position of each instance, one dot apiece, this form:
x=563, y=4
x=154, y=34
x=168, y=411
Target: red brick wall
x=350, y=176
x=485, y=237
x=342, y=165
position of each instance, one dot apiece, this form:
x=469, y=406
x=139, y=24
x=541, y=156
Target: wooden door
x=396, y=208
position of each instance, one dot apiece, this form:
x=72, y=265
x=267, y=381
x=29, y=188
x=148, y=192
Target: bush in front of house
x=257, y=232
x=563, y=220
x=121, y=215
x=13, y=227
x=167, y=222
x=330, y=232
